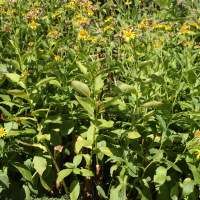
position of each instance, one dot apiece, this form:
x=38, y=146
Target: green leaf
x=81, y=67
x=87, y=158
x=15, y=78
x=114, y=193
x=18, y=93
x=101, y=191
x=44, y=81
x=174, y=194
x=154, y=77
x=13, y=63
x=132, y=134
x=109, y=102
x=146, y=193
x=74, y=190
x=43, y=137
x=188, y=189
x=24, y=171
x=86, y=105
x=160, y=176
x=77, y=160
x=66, y=127
x=106, y=151
x=86, y=172
x=98, y=83
x=55, y=82
x=152, y=104
x=81, y=88
x=124, y=89
x=174, y=166
x=62, y=174
x=40, y=164
x=103, y=124
x=162, y=122
x=4, y=181
x=82, y=143
x=5, y=111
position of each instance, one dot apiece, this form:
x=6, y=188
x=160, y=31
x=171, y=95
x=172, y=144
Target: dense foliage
x=100, y=100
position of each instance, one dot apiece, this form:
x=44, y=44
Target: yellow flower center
x=33, y=24
x=82, y=33
x=1, y=132
x=128, y=35
x=23, y=74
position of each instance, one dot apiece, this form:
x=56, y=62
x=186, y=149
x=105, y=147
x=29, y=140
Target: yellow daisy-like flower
x=23, y=74
x=127, y=3
x=197, y=134
x=33, y=25
x=3, y=132
x=198, y=152
x=30, y=43
x=57, y=58
x=90, y=12
x=128, y=35
x=82, y=34
x=108, y=28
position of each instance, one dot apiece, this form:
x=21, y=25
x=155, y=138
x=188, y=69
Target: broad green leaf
x=154, y=77
x=146, y=193
x=123, y=89
x=114, y=193
x=86, y=105
x=44, y=81
x=110, y=102
x=163, y=192
x=74, y=190
x=133, y=134
x=103, y=124
x=40, y=164
x=55, y=82
x=62, y=174
x=174, y=194
x=81, y=88
x=83, y=143
x=98, y=83
x=44, y=137
x=4, y=180
x=18, y=93
x=174, y=166
x=5, y=111
x=152, y=104
x=188, y=188
x=77, y=160
x=162, y=122
x=81, y=67
x=101, y=191
x=87, y=158
x=106, y=151
x=160, y=176
x=15, y=78
x=86, y=172
x=67, y=127
x=13, y=63
x=45, y=184
x=24, y=171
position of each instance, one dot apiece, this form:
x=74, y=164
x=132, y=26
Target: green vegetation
x=99, y=100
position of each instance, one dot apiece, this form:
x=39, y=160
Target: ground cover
x=99, y=100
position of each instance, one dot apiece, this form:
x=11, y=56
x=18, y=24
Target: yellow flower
x=108, y=27
x=197, y=47
x=128, y=35
x=198, y=152
x=90, y=12
x=187, y=43
x=140, y=54
x=41, y=49
x=33, y=25
x=156, y=45
x=139, y=2
x=197, y=134
x=1, y=3
x=30, y=43
x=94, y=41
x=127, y=3
x=3, y=132
x=108, y=19
x=23, y=74
x=57, y=58
x=161, y=39
x=82, y=34
x=195, y=24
